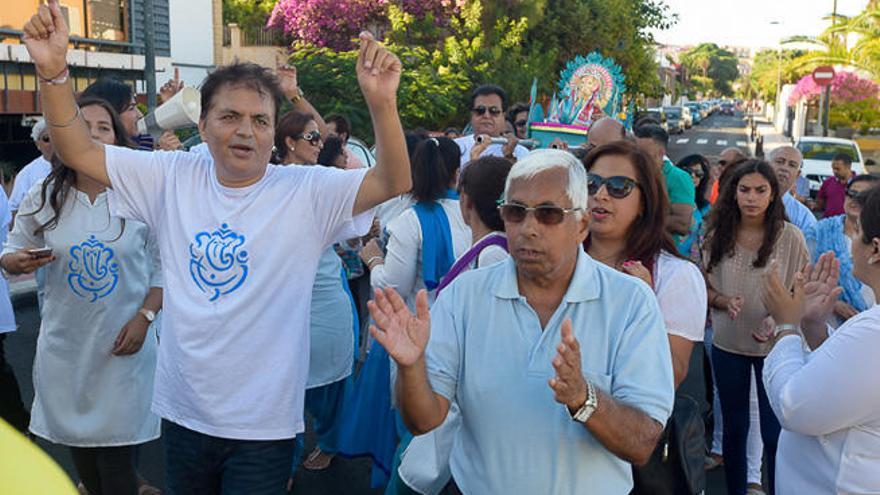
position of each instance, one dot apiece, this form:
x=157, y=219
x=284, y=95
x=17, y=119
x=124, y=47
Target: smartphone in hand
x=43, y=252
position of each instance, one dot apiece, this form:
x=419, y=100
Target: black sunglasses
x=480, y=110
x=544, y=214
x=313, y=137
x=851, y=193
x=617, y=187
x=520, y=123
x=696, y=172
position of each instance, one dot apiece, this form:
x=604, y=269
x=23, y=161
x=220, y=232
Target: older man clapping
x=559, y=364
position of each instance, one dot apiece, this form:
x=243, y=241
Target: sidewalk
x=772, y=138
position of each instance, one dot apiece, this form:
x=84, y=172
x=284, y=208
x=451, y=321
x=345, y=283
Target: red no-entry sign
x=823, y=75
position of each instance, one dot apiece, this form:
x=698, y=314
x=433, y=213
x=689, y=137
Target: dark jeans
x=733, y=379
x=106, y=470
x=196, y=463
x=12, y=409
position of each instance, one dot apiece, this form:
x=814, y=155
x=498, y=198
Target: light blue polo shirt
x=802, y=218
x=487, y=352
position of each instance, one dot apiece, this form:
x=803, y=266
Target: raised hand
x=288, y=81
x=403, y=334
x=171, y=87
x=46, y=37
x=569, y=386
x=378, y=72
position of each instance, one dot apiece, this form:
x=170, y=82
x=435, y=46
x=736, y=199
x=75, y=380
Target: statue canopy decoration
x=590, y=87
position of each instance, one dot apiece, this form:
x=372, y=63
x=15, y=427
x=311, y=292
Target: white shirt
x=31, y=174
x=239, y=264
x=403, y=261
x=681, y=294
x=7, y=316
x=828, y=403
x=84, y=395
x=466, y=143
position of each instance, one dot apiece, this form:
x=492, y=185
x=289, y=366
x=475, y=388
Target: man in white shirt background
x=35, y=171
x=232, y=367
x=787, y=162
x=488, y=108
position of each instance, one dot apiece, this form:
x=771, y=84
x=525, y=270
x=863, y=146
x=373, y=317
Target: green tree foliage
x=508, y=42
x=712, y=69
x=250, y=15
x=768, y=67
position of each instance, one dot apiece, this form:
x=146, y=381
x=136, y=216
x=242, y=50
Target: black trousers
x=106, y=470
x=12, y=409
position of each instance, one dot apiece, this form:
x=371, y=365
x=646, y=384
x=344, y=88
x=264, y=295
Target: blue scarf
x=830, y=237
x=437, y=253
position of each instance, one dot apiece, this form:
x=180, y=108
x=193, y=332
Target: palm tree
x=849, y=41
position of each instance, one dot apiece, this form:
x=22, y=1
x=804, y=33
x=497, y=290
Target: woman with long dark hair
x=697, y=166
x=747, y=231
x=95, y=361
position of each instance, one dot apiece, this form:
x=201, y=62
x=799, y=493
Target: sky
x=747, y=22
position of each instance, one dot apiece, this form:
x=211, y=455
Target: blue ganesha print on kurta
x=218, y=262
x=94, y=272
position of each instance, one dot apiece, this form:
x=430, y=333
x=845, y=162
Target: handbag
x=676, y=465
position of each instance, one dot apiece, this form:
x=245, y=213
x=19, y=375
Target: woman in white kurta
x=826, y=389
x=96, y=357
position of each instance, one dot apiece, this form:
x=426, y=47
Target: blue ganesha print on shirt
x=218, y=263
x=94, y=272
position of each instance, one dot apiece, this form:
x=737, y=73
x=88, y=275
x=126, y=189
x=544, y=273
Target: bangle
x=59, y=78
x=374, y=258
x=69, y=122
x=299, y=96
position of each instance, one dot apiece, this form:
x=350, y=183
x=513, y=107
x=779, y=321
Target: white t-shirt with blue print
x=239, y=264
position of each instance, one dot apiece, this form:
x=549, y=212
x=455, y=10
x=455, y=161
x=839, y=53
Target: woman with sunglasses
x=746, y=232
x=333, y=330
x=836, y=234
x=95, y=359
x=697, y=166
x=425, y=464
x=628, y=208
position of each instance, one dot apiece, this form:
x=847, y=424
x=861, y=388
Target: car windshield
x=826, y=151
x=673, y=113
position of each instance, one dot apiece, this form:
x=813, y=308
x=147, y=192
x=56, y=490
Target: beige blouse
x=735, y=276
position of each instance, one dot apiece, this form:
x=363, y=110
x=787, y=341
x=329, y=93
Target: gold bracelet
x=69, y=122
x=299, y=96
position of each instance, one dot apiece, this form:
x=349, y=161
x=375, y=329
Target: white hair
x=548, y=159
x=38, y=129
x=775, y=151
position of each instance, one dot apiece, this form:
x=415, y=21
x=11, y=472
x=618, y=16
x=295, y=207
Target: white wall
x=192, y=41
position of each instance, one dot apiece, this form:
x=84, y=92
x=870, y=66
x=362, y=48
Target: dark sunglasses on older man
x=313, y=137
x=618, y=187
x=544, y=214
x=480, y=110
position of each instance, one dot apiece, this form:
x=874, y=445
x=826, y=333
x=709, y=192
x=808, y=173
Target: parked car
x=674, y=122
x=687, y=117
x=657, y=114
x=818, y=153
x=696, y=112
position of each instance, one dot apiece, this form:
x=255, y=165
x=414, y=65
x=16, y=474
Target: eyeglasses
x=617, y=187
x=480, y=110
x=544, y=214
x=313, y=137
x=851, y=193
x=520, y=123
x=695, y=172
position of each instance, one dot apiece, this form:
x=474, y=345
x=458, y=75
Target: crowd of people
x=531, y=313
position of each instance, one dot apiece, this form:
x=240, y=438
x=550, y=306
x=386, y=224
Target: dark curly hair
x=726, y=217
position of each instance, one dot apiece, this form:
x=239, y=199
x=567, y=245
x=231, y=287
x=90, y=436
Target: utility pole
x=827, y=102
x=150, y=54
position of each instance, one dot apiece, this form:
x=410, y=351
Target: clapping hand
x=378, y=72
x=820, y=287
x=569, y=386
x=46, y=37
x=403, y=334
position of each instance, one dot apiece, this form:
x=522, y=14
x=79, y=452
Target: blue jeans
x=733, y=378
x=196, y=463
